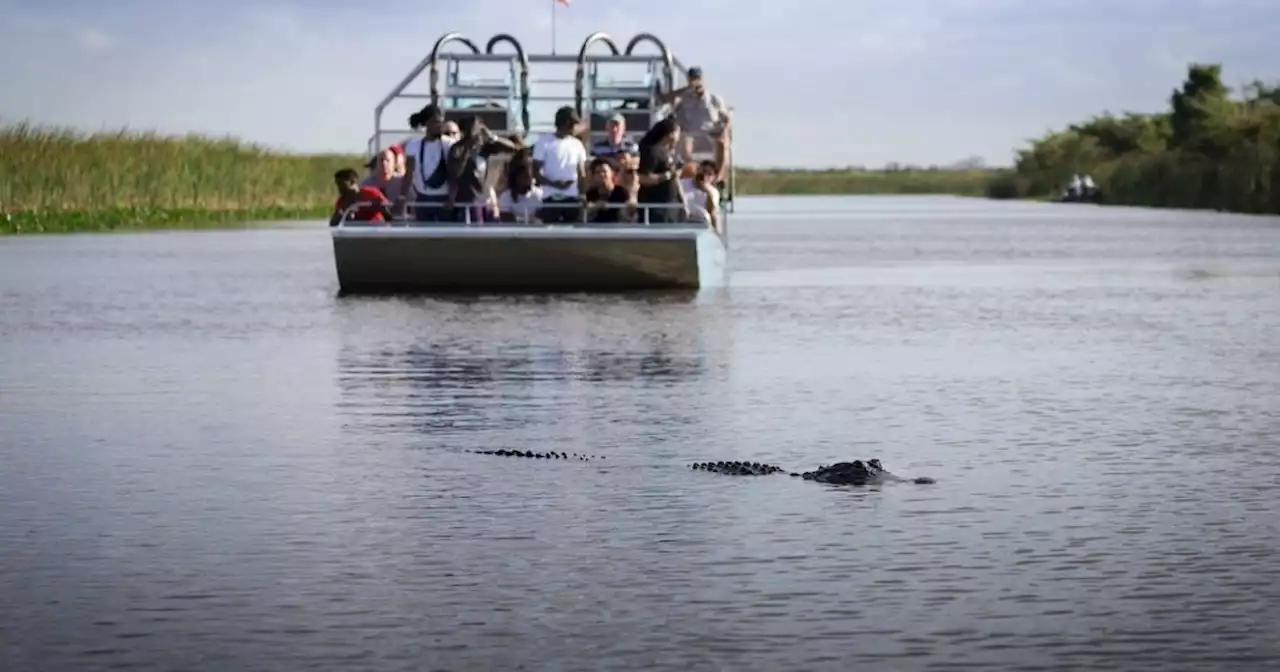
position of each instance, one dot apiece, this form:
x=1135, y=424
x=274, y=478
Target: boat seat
x=498, y=119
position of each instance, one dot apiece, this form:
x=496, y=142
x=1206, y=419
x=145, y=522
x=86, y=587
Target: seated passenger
x=617, y=145
x=384, y=178
x=560, y=165
x=701, y=195
x=468, y=164
x=521, y=198
x=607, y=200
x=426, y=164
x=659, y=174
x=702, y=114
x=375, y=206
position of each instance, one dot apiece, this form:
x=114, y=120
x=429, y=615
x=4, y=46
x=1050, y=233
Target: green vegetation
x=1210, y=150
x=61, y=180
x=964, y=181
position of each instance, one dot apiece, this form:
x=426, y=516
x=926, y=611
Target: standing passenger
x=426, y=161
x=659, y=173
x=703, y=116
x=560, y=165
x=468, y=166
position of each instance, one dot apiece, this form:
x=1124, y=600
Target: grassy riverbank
x=844, y=181
x=54, y=180
x=60, y=180
x=1210, y=150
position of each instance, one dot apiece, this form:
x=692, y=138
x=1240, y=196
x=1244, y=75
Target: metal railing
x=480, y=215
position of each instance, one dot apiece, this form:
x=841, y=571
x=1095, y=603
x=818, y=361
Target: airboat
x=519, y=97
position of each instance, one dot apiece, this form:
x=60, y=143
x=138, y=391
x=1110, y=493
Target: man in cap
x=703, y=117
x=617, y=148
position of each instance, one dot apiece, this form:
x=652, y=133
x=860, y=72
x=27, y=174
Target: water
x=211, y=462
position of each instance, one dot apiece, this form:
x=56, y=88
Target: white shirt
x=696, y=200
x=560, y=158
x=426, y=156
x=523, y=207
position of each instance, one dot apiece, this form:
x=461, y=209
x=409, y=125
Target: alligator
x=841, y=473
x=538, y=456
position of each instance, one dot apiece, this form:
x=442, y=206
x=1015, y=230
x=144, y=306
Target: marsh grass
x=59, y=179
x=55, y=179
x=862, y=182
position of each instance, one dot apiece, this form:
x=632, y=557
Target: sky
x=813, y=83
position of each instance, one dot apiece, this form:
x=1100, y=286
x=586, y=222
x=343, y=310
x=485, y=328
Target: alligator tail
x=552, y=455
x=739, y=468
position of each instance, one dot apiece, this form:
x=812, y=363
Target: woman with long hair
x=426, y=164
x=469, y=164
x=660, y=196
x=521, y=196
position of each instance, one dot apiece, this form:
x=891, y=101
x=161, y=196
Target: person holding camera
x=660, y=195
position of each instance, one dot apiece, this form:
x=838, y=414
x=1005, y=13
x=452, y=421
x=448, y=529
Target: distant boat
x=406, y=255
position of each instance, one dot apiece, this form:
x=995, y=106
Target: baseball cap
x=694, y=73
x=565, y=115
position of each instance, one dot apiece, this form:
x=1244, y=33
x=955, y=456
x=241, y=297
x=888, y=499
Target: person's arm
x=593, y=205
x=684, y=201
x=496, y=144
x=726, y=117
x=338, y=213
x=378, y=198
x=632, y=201
x=644, y=173
x=408, y=191
x=670, y=97
x=713, y=205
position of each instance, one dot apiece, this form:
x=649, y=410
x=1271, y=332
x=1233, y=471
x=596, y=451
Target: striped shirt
x=607, y=150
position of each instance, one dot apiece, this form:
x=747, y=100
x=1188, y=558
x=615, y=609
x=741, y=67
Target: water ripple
x=212, y=462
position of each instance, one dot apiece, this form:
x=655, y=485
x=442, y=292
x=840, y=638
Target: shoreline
x=1213, y=149
x=125, y=220
x=62, y=180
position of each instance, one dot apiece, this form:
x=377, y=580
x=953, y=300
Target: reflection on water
x=493, y=367
x=207, y=461
x=447, y=384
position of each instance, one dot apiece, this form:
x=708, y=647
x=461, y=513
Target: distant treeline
x=57, y=179
x=1210, y=150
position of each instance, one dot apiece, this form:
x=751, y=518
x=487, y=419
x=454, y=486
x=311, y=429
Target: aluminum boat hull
x=526, y=259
